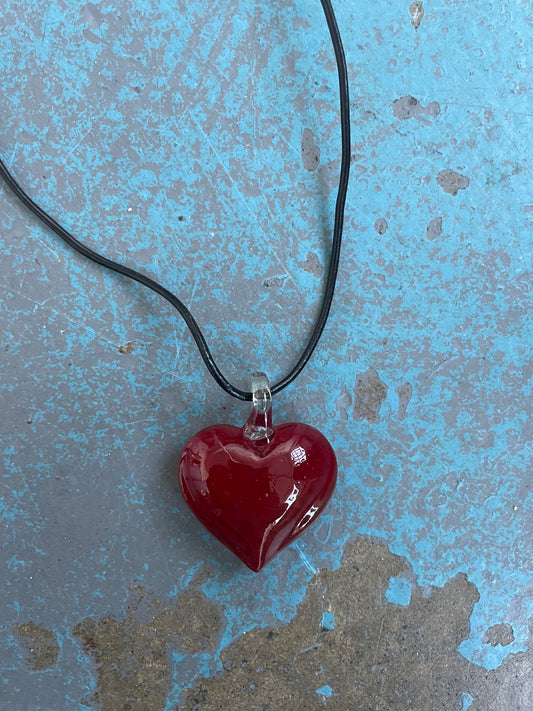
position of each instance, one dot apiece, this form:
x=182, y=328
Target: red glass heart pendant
x=257, y=488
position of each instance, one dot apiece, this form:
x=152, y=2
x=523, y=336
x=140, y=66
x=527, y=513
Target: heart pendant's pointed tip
x=256, y=565
x=257, y=558
x=254, y=568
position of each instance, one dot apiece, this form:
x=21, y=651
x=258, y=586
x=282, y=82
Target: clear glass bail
x=259, y=424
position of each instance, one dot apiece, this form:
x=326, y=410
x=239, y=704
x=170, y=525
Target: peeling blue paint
x=325, y=690
x=214, y=135
x=466, y=700
x=398, y=592
x=328, y=620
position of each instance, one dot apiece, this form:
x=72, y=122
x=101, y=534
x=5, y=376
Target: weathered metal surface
x=199, y=142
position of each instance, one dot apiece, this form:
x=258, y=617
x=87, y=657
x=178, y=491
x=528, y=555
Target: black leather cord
x=177, y=303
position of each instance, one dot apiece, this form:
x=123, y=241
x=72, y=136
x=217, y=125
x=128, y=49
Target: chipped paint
x=499, y=634
x=407, y=106
x=434, y=228
x=381, y=225
x=127, y=348
x=173, y=141
x=40, y=644
x=369, y=394
x=416, y=10
x=451, y=181
x=398, y=656
x=312, y=265
x=405, y=393
x=328, y=620
x=398, y=591
x=310, y=150
x=135, y=655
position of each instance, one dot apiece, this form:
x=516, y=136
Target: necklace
x=258, y=487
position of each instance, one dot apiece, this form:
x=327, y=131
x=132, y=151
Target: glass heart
x=257, y=495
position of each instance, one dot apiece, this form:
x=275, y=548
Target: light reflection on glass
x=298, y=456
x=308, y=517
x=292, y=496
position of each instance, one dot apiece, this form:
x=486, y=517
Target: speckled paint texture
x=199, y=142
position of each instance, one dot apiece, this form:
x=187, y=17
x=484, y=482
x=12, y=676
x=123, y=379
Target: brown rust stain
x=416, y=10
x=40, y=644
x=369, y=394
x=133, y=654
x=371, y=654
x=126, y=348
x=451, y=181
x=312, y=265
x=347, y=647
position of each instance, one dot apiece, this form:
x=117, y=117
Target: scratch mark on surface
x=310, y=567
x=10, y=162
x=42, y=304
x=74, y=148
x=44, y=28
x=223, y=166
x=379, y=640
x=432, y=371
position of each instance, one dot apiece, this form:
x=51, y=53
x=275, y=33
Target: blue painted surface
x=325, y=690
x=121, y=117
x=328, y=620
x=398, y=592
